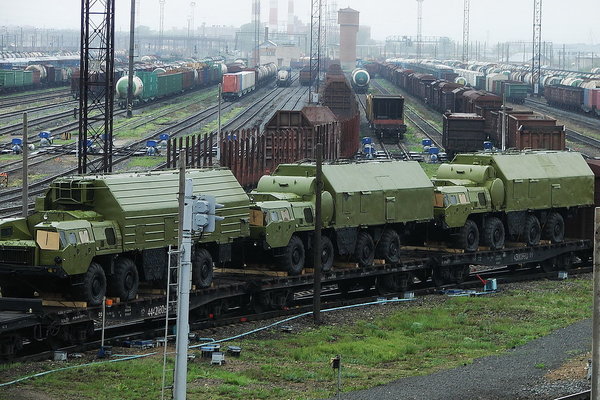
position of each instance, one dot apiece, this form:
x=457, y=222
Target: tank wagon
x=104, y=234
x=360, y=80
x=284, y=76
x=525, y=196
x=385, y=114
x=366, y=208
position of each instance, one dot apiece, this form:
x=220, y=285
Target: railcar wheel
x=549, y=265
x=125, y=281
x=468, y=236
x=93, y=287
x=441, y=276
x=327, y=254
x=397, y=282
x=364, y=252
x=293, y=259
x=423, y=274
x=388, y=247
x=532, y=231
x=202, y=268
x=554, y=230
x=493, y=235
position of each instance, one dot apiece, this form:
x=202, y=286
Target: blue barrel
x=164, y=136
x=487, y=145
x=366, y=140
x=89, y=143
x=151, y=143
x=17, y=141
x=368, y=149
x=426, y=142
x=44, y=135
x=434, y=150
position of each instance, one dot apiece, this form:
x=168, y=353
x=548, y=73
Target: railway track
x=36, y=109
x=38, y=187
x=32, y=98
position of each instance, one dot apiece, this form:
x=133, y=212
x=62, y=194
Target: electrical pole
x=96, y=85
x=315, y=48
x=192, y=26
x=419, y=29
x=25, y=182
x=131, y=55
x=465, y=50
x=536, y=60
x=317, y=243
x=256, y=19
x=161, y=24
x=595, y=392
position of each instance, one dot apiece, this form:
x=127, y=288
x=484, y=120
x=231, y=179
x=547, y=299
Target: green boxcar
x=516, y=92
x=27, y=78
x=169, y=84
x=150, y=81
x=7, y=79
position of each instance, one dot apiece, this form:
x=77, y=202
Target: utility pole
x=419, y=29
x=25, y=183
x=256, y=19
x=317, y=244
x=536, y=67
x=465, y=50
x=96, y=85
x=595, y=393
x=131, y=55
x=161, y=24
x=192, y=26
x=315, y=47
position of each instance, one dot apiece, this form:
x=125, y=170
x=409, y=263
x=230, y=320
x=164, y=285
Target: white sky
x=575, y=21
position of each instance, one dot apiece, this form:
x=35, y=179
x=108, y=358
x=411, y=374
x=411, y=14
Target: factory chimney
x=273, y=15
x=290, y=21
x=348, y=21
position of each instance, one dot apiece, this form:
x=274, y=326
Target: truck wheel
x=93, y=287
x=468, y=236
x=202, y=268
x=294, y=257
x=554, y=230
x=364, y=252
x=493, y=235
x=388, y=247
x=532, y=230
x=327, y=254
x=125, y=281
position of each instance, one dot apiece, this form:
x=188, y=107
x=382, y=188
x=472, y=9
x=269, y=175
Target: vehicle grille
x=17, y=255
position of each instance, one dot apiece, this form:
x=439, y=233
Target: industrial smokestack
x=290, y=21
x=273, y=14
x=266, y=33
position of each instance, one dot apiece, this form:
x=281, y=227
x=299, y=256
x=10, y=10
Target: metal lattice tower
x=161, y=24
x=256, y=22
x=419, y=28
x=137, y=10
x=333, y=28
x=96, y=86
x=465, y=49
x=315, y=46
x=536, y=67
x=324, y=33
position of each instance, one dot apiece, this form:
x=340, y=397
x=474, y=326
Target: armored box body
x=539, y=179
x=145, y=206
x=373, y=193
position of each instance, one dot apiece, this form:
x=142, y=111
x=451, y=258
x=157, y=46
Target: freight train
x=385, y=114
x=462, y=132
x=95, y=235
x=34, y=76
x=165, y=81
x=238, y=84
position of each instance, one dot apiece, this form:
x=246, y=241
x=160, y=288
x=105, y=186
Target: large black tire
x=202, y=269
x=125, y=281
x=532, y=230
x=468, y=236
x=327, y=254
x=388, y=247
x=295, y=256
x=93, y=288
x=364, y=252
x=493, y=234
x=554, y=229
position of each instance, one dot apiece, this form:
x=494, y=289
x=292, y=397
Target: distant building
x=281, y=54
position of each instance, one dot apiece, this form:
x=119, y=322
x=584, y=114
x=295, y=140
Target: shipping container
x=237, y=84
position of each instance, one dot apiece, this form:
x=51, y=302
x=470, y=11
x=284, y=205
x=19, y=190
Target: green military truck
x=367, y=208
x=524, y=196
x=105, y=234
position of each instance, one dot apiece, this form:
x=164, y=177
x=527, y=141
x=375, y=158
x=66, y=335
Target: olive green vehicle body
x=97, y=218
x=511, y=182
x=355, y=195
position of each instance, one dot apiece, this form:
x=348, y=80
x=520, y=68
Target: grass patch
x=430, y=169
x=146, y=161
x=11, y=157
x=32, y=178
x=408, y=341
